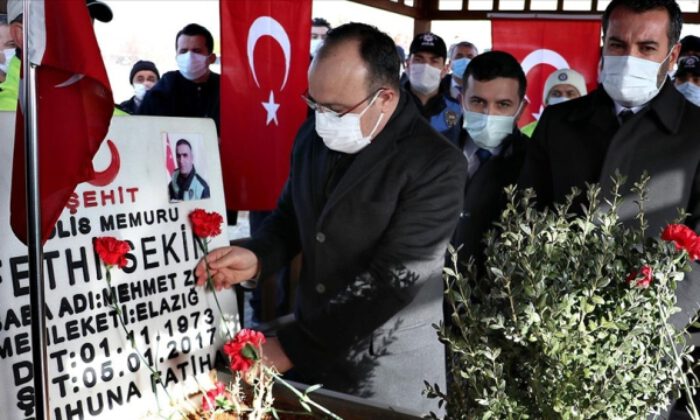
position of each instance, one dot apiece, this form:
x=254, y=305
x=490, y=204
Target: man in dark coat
x=493, y=100
x=635, y=122
x=192, y=90
x=371, y=201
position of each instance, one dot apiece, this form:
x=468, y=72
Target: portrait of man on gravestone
x=186, y=183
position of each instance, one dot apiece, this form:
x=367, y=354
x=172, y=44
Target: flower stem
x=155, y=375
x=302, y=397
x=210, y=284
x=693, y=410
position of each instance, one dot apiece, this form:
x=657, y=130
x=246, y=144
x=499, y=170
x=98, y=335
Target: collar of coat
x=667, y=107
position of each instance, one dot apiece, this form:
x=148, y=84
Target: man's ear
x=386, y=97
x=16, y=34
x=524, y=105
x=212, y=58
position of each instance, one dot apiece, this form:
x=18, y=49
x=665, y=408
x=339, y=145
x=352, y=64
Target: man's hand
x=227, y=266
x=274, y=356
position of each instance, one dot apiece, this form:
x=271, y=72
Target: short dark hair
x=377, y=50
x=321, y=22
x=639, y=6
x=185, y=142
x=493, y=64
x=193, y=30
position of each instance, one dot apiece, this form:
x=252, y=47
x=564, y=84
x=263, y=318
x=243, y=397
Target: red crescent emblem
x=107, y=176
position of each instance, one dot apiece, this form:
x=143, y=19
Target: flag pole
x=35, y=251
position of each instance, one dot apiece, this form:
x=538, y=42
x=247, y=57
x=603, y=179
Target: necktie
x=625, y=115
x=483, y=155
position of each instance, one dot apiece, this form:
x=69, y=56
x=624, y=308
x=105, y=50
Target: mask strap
x=379, y=120
x=376, y=95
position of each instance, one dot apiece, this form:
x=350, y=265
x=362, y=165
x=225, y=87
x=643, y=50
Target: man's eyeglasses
x=315, y=106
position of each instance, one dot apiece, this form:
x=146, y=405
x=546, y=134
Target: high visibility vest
x=9, y=88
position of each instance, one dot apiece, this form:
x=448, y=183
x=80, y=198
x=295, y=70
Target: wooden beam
x=425, y=11
x=389, y=6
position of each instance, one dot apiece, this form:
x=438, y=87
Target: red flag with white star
x=265, y=59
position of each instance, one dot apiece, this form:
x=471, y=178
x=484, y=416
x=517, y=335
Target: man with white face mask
x=636, y=122
x=319, y=29
x=493, y=100
x=143, y=76
x=192, y=90
x=425, y=70
x=372, y=198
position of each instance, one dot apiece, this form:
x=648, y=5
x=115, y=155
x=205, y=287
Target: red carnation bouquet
x=245, y=353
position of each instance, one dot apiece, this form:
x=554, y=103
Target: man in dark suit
x=635, y=122
x=493, y=95
x=371, y=201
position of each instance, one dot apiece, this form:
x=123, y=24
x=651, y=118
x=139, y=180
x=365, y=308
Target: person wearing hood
x=143, y=76
x=192, y=90
x=561, y=86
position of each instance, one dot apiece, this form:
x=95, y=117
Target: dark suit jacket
x=373, y=253
x=484, y=198
x=581, y=141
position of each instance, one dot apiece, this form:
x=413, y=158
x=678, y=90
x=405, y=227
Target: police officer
x=425, y=68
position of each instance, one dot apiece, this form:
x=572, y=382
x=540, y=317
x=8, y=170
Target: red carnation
x=112, y=251
x=206, y=224
x=244, y=349
x=646, y=277
x=684, y=238
x=209, y=400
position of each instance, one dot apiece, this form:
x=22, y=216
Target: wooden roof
x=425, y=11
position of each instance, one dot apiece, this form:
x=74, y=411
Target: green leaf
x=313, y=388
x=250, y=352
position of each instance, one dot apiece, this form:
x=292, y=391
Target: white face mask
x=344, y=134
x=8, y=53
x=315, y=45
x=631, y=81
x=691, y=91
x=139, y=91
x=489, y=131
x=424, y=78
x=554, y=101
x=192, y=66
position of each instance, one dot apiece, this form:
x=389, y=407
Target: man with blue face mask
x=493, y=98
x=461, y=54
x=687, y=78
x=636, y=122
x=425, y=69
x=372, y=198
x=192, y=90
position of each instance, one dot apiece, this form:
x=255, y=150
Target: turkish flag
x=543, y=46
x=74, y=109
x=265, y=60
